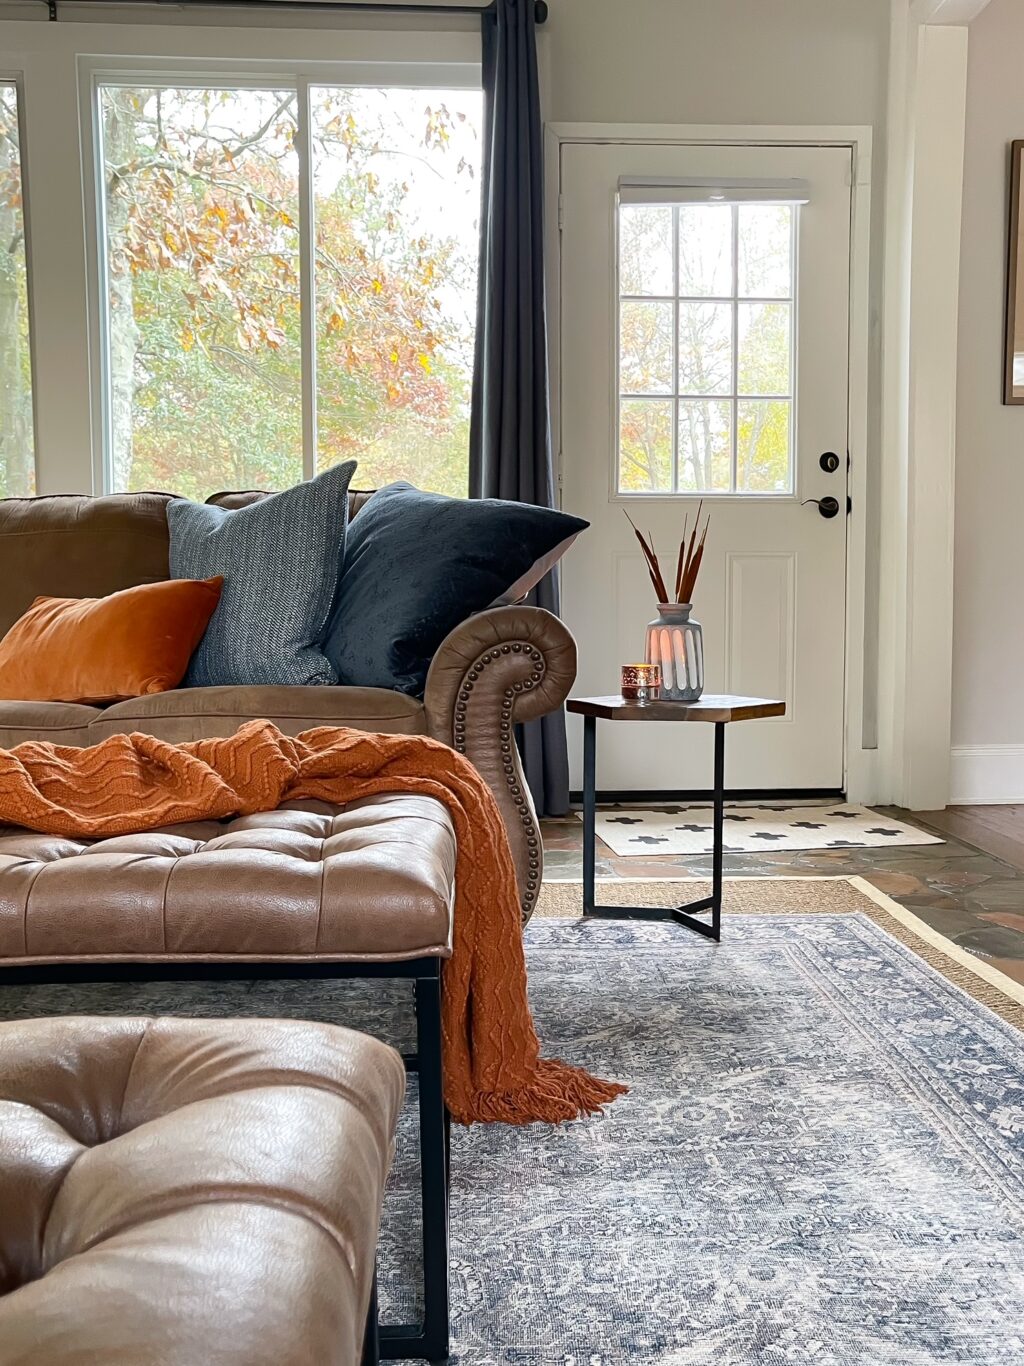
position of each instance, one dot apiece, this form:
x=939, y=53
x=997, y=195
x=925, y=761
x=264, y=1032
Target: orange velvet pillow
x=106, y=649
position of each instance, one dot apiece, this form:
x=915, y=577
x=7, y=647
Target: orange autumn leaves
x=221, y=211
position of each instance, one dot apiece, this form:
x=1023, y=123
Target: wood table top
x=709, y=708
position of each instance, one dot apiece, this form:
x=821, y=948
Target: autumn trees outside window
x=290, y=281
x=705, y=352
x=17, y=463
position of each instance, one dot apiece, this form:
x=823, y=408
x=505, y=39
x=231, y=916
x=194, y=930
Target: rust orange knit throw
x=130, y=783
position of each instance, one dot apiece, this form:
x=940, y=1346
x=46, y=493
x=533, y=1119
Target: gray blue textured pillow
x=281, y=560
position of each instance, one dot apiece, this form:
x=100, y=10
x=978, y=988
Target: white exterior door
x=704, y=353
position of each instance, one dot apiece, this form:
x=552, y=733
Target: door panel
x=771, y=595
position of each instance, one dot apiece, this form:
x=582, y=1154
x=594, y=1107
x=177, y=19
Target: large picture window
x=290, y=281
x=17, y=461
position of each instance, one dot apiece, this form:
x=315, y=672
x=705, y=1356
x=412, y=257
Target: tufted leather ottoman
x=181, y=1191
x=373, y=880
x=309, y=890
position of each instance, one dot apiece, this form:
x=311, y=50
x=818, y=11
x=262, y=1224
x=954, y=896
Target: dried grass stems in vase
x=675, y=641
x=688, y=561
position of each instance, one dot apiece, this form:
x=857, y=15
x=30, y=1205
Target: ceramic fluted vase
x=676, y=642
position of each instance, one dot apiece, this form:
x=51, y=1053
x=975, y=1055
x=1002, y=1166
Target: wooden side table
x=716, y=711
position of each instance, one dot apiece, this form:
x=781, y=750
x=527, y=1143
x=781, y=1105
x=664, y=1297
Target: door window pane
x=764, y=348
x=645, y=346
x=732, y=325
x=705, y=250
x=762, y=446
x=705, y=447
x=705, y=348
x=765, y=251
x=645, y=446
x=203, y=297
x=17, y=458
x=397, y=199
x=645, y=250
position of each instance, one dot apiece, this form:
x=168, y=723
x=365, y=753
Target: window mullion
x=307, y=282
x=734, y=445
x=675, y=349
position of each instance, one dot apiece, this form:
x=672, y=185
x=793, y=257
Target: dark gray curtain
x=510, y=441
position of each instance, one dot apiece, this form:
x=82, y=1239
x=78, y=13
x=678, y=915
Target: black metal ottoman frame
x=428, y=1340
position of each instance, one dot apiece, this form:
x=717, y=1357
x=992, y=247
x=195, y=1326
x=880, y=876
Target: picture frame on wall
x=1013, y=376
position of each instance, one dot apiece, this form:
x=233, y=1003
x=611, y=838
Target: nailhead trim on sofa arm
x=500, y=668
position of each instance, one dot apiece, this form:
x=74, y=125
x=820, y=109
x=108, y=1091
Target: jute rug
x=808, y=896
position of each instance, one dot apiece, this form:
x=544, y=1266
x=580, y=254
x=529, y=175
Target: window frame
x=200, y=74
x=14, y=77
x=616, y=493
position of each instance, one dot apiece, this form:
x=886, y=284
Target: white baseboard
x=979, y=774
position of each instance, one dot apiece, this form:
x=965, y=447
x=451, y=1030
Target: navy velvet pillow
x=417, y=564
x=280, y=559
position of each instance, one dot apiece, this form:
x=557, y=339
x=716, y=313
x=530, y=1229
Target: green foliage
x=205, y=291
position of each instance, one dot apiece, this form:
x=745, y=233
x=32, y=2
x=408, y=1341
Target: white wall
x=717, y=61
x=988, y=623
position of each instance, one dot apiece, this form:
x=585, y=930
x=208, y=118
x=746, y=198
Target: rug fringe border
x=972, y=975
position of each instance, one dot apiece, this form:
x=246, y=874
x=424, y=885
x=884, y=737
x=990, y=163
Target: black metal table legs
x=682, y=915
x=430, y=1341
x=371, y=1339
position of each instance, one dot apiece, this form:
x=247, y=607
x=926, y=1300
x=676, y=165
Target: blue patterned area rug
x=821, y=1161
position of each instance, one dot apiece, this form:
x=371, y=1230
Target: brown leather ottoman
x=176, y=1192
x=310, y=890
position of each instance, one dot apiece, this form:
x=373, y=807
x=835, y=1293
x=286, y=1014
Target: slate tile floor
x=964, y=893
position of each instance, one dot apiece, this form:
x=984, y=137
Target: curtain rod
x=540, y=6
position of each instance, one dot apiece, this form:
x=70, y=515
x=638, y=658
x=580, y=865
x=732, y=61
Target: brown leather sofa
x=185, y=1191
x=500, y=667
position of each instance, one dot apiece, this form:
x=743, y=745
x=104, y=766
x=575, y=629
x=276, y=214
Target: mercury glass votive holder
x=641, y=682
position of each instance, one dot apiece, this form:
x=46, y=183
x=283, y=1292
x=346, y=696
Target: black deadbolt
x=829, y=462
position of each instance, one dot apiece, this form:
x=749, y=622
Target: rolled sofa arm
x=501, y=667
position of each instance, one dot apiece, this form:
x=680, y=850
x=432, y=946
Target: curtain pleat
x=510, y=435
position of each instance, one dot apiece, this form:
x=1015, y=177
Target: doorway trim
x=859, y=740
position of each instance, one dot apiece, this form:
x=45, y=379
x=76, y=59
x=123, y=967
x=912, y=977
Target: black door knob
x=827, y=507
x=829, y=462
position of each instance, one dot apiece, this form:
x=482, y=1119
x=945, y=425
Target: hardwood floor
x=995, y=830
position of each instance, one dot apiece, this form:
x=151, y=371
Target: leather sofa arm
x=501, y=667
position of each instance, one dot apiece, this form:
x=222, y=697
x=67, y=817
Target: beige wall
x=988, y=667
x=717, y=61
x=656, y=61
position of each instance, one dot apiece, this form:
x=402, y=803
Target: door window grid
x=736, y=401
